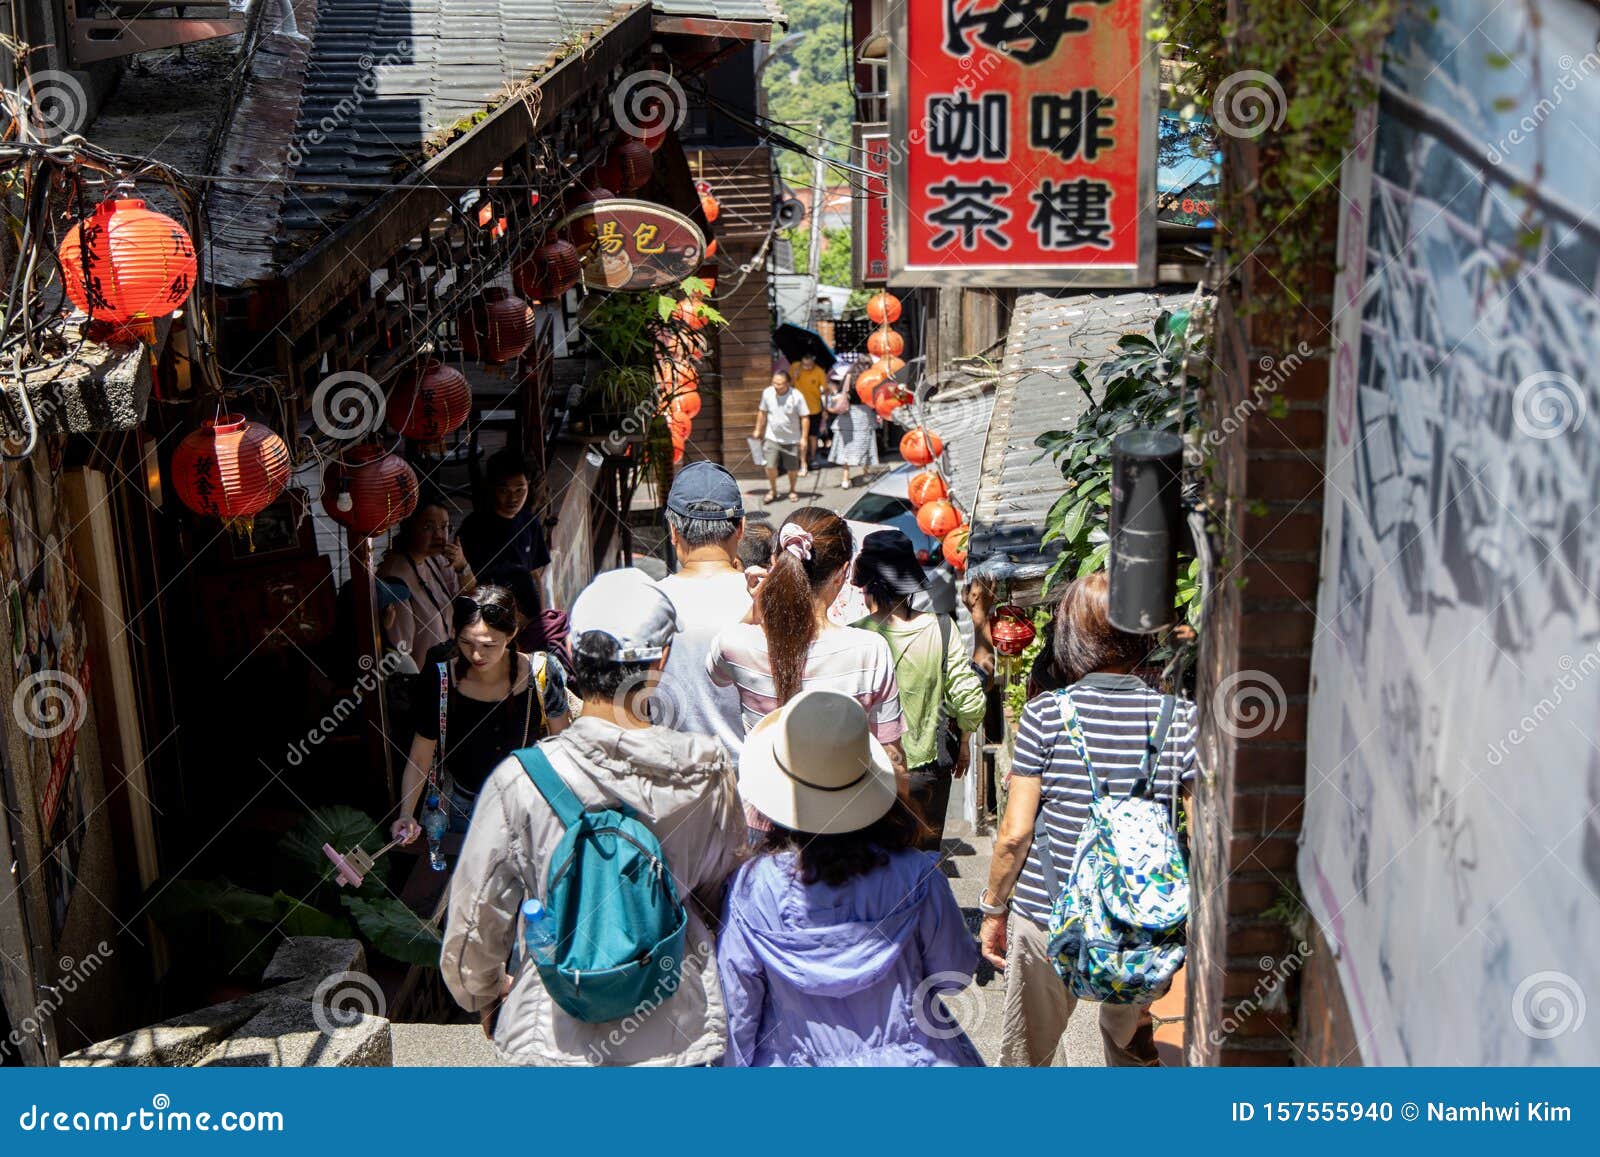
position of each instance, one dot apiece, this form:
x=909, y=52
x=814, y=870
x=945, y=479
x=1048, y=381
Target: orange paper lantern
x=711, y=247
x=955, y=547
x=496, y=328
x=430, y=401
x=883, y=308
x=888, y=398
x=868, y=382
x=370, y=491
x=938, y=518
x=926, y=487
x=885, y=343
x=890, y=365
x=230, y=468
x=710, y=207
x=920, y=447
x=126, y=263
x=684, y=407
x=688, y=313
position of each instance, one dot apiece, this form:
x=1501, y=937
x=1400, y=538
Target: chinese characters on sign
x=871, y=223
x=1024, y=143
x=630, y=244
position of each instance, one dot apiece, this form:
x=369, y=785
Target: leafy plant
x=1141, y=387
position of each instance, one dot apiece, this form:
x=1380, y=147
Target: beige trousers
x=1039, y=1005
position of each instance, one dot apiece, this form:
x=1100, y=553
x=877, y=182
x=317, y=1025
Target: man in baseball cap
x=705, y=513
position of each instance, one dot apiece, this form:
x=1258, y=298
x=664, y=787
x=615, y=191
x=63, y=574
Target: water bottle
x=434, y=823
x=538, y=931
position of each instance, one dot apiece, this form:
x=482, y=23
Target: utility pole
x=819, y=174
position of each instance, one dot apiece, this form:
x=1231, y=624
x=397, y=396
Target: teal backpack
x=619, y=925
x=1117, y=930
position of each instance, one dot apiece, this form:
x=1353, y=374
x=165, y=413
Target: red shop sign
x=1023, y=143
x=628, y=244
x=871, y=218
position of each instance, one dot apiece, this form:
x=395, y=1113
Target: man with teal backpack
x=623, y=832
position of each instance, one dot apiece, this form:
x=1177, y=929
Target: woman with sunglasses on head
x=476, y=706
x=431, y=566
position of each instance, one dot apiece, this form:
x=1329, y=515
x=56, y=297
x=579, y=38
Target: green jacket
x=933, y=673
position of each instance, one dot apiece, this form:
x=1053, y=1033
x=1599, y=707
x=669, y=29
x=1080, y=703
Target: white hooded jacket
x=684, y=789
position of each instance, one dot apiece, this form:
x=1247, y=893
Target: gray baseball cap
x=626, y=607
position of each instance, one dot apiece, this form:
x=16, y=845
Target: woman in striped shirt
x=788, y=645
x=1050, y=794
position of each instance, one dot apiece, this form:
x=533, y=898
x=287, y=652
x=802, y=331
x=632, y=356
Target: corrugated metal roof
x=375, y=82
x=1018, y=483
x=757, y=10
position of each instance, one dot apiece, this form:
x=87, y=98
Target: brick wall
x=1266, y=400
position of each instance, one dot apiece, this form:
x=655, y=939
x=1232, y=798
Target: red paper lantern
x=883, y=308
x=679, y=428
x=430, y=401
x=890, y=365
x=684, y=408
x=497, y=327
x=550, y=270
x=1011, y=630
x=710, y=207
x=868, y=382
x=955, y=547
x=677, y=455
x=630, y=165
x=370, y=491
x=230, y=468
x=580, y=195
x=711, y=247
x=127, y=263
x=688, y=313
x=887, y=398
x=926, y=487
x=920, y=447
x=938, y=518
x=676, y=377
x=885, y=343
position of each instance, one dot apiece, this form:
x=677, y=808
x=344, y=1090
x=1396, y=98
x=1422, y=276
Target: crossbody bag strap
x=435, y=771
x=1150, y=765
x=561, y=798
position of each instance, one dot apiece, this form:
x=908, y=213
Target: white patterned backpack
x=1117, y=930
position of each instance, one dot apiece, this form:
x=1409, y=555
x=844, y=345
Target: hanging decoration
x=868, y=382
x=550, y=270
x=938, y=518
x=890, y=366
x=230, y=468
x=684, y=407
x=369, y=491
x=955, y=547
x=709, y=205
x=926, y=487
x=921, y=446
x=885, y=343
x=126, y=263
x=430, y=401
x=633, y=164
x=883, y=308
x=1011, y=630
x=889, y=397
x=496, y=328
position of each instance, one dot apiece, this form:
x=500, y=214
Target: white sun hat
x=813, y=766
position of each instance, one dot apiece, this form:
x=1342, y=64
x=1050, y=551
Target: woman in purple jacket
x=839, y=938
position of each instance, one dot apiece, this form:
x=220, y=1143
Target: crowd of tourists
x=701, y=817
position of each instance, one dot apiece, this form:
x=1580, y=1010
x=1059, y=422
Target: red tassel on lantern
x=955, y=547
x=370, y=491
x=926, y=487
x=938, y=518
x=920, y=447
x=885, y=343
x=230, y=468
x=496, y=328
x=430, y=401
x=127, y=263
x=883, y=308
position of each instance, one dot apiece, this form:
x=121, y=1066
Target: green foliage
x=1140, y=388
x=1017, y=689
x=834, y=267
x=810, y=84
x=299, y=860
x=395, y=930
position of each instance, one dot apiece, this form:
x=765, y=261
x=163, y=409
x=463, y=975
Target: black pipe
x=1146, y=527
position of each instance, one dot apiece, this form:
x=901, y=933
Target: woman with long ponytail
x=789, y=645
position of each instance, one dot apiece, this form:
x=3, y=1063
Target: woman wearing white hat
x=839, y=938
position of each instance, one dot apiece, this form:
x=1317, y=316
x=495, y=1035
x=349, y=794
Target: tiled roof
x=1019, y=483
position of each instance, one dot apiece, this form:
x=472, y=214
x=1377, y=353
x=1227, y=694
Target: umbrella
x=795, y=341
